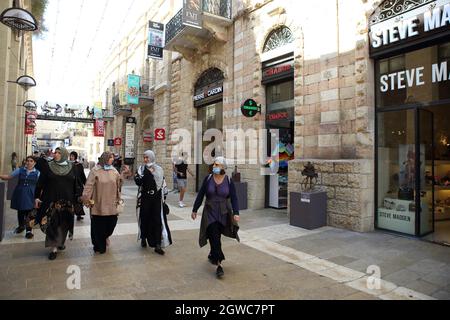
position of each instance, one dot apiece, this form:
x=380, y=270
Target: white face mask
x=149, y=165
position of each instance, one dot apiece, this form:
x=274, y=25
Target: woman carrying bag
x=151, y=209
x=220, y=217
x=102, y=194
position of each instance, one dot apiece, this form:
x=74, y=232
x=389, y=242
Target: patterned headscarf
x=63, y=166
x=103, y=161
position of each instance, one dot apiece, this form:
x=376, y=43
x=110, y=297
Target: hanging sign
x=110, y=142
x=30, y=122
x=250, y=108
x=134, y=84
x=148, y=136
x=117, y=142
x=98, y=114
x=192, y=13
x=155, y=40
x=99, y=128
x=160, y=134
x=130, y=129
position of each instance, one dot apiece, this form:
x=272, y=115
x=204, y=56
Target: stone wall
x=350, y=188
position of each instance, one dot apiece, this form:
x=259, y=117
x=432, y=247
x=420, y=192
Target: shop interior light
x=19, y=19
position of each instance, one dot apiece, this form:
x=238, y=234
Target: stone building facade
x=16, y=59
x=333, y=92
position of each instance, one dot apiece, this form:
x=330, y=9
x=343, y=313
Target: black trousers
x=102, y=227
x=214, y=233
x=21, y=217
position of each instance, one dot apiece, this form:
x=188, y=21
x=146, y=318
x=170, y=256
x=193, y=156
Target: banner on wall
x=130, y=129
x=134, y=84
x=123, y=95
x=155, y=40
x=30, y=122
x=99, y=128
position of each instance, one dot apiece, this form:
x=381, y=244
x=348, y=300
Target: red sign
x=277, y=70
x=278, y=116
x=30, y=122
x=160, y=134
x=118, y=142
x=99, y=128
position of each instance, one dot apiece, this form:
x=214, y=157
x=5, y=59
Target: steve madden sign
x=411, y=28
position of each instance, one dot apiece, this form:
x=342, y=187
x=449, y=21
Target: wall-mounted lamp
x=18, y=19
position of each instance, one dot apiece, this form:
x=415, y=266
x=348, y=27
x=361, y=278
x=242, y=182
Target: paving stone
x=403, y=277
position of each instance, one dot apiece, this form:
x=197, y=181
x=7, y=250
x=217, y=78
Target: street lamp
x=26, y=82
x=30, y=105
x=19, y=19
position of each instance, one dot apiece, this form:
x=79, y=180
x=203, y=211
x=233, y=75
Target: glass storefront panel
x=420, y=76
x=396, y=171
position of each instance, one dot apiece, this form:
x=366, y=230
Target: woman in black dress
x=56, y=193
x=153, y=227
x=81, y=180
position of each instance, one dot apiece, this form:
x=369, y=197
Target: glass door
x=426, y=184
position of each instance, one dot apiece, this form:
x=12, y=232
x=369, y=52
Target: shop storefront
x=208, y=100
x=412, y=70
x=278, y=78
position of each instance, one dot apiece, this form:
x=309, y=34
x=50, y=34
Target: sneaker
x=182, y=205
x=219, y=272
x=52, y=255
x=19, y=230
x=160, y=251
x=29, y=235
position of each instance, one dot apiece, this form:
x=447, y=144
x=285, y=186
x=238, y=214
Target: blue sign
x=134, y=84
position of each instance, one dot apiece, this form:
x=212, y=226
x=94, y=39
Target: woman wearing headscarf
x=153, y=227
x=56, y=194
x=101, y=194
x=81, y=180
x=219, y=216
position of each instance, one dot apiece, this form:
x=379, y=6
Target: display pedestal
x=308, y=210
x=241, y=192
x=2, y=210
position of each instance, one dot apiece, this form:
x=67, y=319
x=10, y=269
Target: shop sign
x=160, y=134
x=411, y=27
x=99, y=128
x=415, y=77
x=134, y=85
x=278, y=71
x=117, y=142
x=155, y=40
x=250, y=108
x=192, y=13
x=110, y=142
x=285, y=114
x=148, y=136
x=208, y=93
x=130, y=128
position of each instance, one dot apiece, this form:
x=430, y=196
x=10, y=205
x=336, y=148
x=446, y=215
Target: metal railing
x=174, y=26
x=220, y=8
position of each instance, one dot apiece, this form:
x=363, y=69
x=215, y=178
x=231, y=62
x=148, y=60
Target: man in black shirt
x=182, y=169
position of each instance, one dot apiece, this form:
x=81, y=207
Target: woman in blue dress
x=23, y=196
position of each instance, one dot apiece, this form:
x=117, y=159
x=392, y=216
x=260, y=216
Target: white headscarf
x=158, y=172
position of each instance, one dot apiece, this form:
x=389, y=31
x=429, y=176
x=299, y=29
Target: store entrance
x=413, y=179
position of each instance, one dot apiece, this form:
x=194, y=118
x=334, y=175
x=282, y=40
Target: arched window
x=391, y=8
x=278, y=38
x=208, y=77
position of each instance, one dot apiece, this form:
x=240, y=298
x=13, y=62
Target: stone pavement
x=273, y=261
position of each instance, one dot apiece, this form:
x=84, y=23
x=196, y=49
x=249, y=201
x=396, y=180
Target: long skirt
x=150, y=222
x=102, y=227
x=214, y=233
x=60, y=221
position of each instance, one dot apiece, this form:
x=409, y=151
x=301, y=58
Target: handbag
x=164, y=193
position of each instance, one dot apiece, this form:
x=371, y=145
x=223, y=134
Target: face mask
x=217, y=171
x=149, y=165
x=108, y=167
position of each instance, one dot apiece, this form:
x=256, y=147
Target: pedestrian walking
x=81, y=181
x=13, y=161
x=56, y=193
x=181, y=171
x=152, y=220
x=23, y=196
x=102, y=194
x=220, y=214
x=117, y=162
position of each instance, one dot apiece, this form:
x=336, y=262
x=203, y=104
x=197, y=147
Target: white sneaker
x=182, y=205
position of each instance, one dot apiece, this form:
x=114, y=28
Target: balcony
x=118, y=109
x=190, y=40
